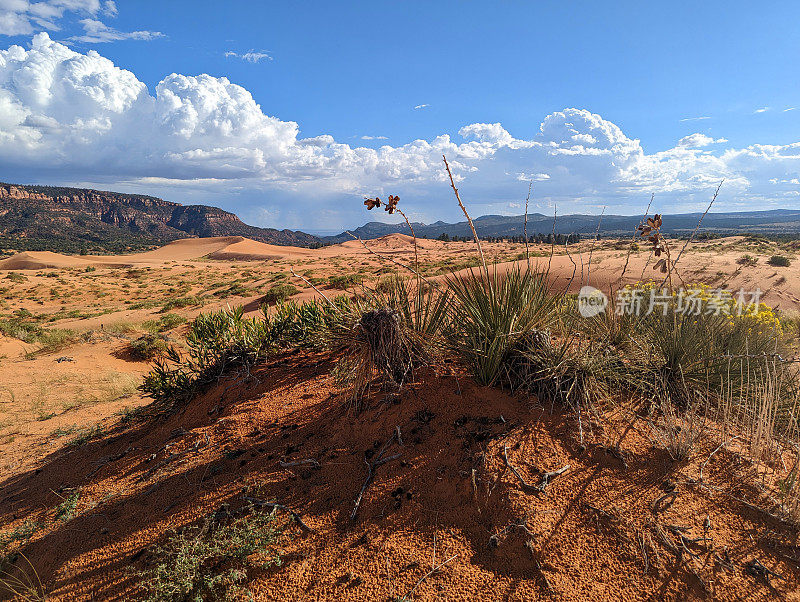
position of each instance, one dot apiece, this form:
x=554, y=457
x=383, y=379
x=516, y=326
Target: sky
x=290, y=113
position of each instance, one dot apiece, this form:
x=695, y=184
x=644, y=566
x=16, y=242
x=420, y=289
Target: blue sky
x=307, y=106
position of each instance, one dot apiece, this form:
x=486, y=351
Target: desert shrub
x=216, y=342
x=210, y=562
x=677, y=430
x=164, y=323
x=179, y=303
x=234, y=290
x=747, y=260
x=307, y=324
x=344, y=281
x=701, y=341
x=278, y=293
x=148, y=346
x=387, y=284
x=388, y=334
x=779, y=261
x=16, y=277
x=492, y=313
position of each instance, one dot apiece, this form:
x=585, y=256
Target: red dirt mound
x=603, y=530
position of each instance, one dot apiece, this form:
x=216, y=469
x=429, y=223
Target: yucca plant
x=694, y=354
x=492, y=314
x=389, y=333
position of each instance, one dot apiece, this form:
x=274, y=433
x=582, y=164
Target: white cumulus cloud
x=67, y=116
x=699, y=141
x=22, y=17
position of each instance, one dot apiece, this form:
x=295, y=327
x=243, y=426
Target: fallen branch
x=428, y=574
x=544, y=481
x=274, y=505
x=371, y=466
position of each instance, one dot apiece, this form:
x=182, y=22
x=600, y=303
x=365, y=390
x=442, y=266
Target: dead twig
x=552, y=238
x=538, y=566
x=274, y=505
x=379, y=460
x=426, y=575
x=591, y=249
x=319, y=292
x=525, y=225
x=696, y=228
x=635, y=231
x=546, y=479
x=469, y=219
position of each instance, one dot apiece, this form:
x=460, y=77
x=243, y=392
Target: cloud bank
x=73, y=117
x=22, y=17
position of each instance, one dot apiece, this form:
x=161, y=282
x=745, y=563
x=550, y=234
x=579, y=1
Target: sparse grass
x=26, y=329
x=345, y=281
x=21, y=582
x=181, y=302
x=86, y=434
x=65, y=511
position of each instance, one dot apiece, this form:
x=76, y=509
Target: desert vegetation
x=306, y=412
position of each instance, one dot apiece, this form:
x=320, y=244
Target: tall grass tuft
x=492, y=315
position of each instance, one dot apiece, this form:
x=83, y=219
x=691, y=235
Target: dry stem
x=469, y=219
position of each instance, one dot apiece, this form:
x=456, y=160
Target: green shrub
x=216, y=342
x=15, y=277
x=279, y=293
x=344, y=281
x=148, y=346
x=210, y=562
x=164, y=323
x=779, y=261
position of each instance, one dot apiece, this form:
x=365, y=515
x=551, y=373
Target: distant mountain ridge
x=775, y=221
x=75, y=219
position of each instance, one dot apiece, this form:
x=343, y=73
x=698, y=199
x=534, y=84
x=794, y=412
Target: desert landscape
x=380, y=301
x=99, y=470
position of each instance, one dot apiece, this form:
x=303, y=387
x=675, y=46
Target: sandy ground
x=592, y=535
x=46, y=405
